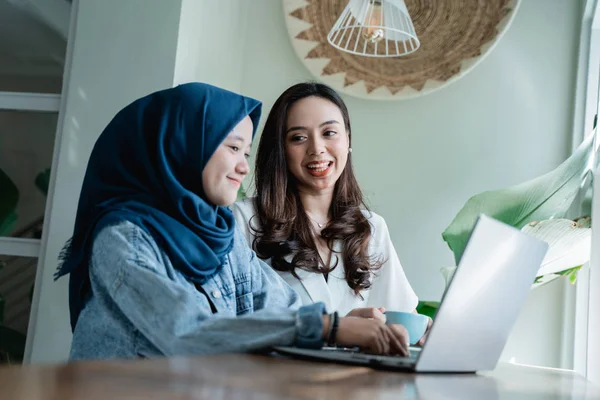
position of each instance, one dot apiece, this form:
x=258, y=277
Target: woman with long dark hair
x=309, y=220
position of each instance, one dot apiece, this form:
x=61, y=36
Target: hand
x=421, y=341
x=373, y=336
x=401, y=334
x=368, y=312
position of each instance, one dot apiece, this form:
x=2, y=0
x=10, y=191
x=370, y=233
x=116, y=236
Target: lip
x=320, y=174
x=236, y=181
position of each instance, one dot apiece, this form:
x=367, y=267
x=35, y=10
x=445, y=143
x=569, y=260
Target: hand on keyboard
x=373, y=336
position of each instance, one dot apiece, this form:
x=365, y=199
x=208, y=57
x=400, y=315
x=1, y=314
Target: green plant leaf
x=447, y=273
x=573, y=277
x=9, y=197
x=569, y=248
x=584, y=222
x=8, y=223
x=570, y=244
x=570, y=273
x=545, y=197
x=428, y=308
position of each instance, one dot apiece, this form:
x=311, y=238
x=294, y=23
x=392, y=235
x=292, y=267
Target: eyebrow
x=236, y=137
x=303, y=128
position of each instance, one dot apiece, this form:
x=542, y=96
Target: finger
x=376, y=345
x=401, y=334
x=380, y=343
x=395, y=345
x=353, y=313
x=421, y=341
x=371, y=312
x=379, y=315
x=384, y=340
x=359, y=312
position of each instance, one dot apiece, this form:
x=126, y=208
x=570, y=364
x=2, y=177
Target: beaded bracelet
x=329, y=328
x=333, y=327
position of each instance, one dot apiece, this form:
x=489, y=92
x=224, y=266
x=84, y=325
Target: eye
x=297, y=138
x=234, y=148
x=329, y=133
x=247, y=155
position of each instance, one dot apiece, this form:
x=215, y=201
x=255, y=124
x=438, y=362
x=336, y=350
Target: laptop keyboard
x=357, y=354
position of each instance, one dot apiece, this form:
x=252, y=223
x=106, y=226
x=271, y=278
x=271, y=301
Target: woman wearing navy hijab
x=157, y=266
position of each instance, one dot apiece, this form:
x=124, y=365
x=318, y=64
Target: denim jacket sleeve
x=132, y=271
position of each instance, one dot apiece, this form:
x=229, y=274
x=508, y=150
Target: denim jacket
x=141, y=306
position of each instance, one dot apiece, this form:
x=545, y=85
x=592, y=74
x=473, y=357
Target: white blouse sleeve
x=390, y=287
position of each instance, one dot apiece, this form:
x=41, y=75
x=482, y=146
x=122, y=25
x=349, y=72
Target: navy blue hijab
x=146, y=167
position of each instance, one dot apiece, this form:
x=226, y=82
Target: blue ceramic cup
x=415, y=324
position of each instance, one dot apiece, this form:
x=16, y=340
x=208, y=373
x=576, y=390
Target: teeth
x=319, y=167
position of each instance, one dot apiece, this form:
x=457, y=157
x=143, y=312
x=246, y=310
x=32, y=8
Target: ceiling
x=33, y=37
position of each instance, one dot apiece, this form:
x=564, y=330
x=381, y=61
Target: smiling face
x=228, y=166
x=316, y=144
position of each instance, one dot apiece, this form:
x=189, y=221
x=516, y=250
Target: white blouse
x=389, y=289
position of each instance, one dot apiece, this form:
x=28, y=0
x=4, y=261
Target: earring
x=350, y=150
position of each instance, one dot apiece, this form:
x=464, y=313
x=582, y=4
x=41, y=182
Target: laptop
x=477, y=311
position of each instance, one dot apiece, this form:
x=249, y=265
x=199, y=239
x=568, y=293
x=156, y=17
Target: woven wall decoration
x=455, y=36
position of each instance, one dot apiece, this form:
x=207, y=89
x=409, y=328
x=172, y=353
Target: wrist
x=326, y=324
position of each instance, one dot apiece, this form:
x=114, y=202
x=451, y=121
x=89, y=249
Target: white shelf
x=19, y=247
x=29, y=101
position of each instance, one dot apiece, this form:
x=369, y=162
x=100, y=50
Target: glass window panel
x=17, y=276
x=32, y=53
x=26, y=148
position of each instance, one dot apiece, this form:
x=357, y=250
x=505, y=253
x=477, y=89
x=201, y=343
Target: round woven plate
x=455, y=36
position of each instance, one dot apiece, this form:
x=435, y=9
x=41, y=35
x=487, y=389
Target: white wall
x=121, y=50
x=419, y=160
x=210, y=44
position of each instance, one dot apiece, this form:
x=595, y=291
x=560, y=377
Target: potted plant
x=543, y=207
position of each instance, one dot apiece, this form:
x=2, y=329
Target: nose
x=316, y=145
x=242, y=167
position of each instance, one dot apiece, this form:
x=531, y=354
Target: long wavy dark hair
x=284, y=228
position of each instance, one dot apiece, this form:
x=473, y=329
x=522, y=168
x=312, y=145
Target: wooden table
x=263, y=377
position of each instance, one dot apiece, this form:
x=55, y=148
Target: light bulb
x=373, y=21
